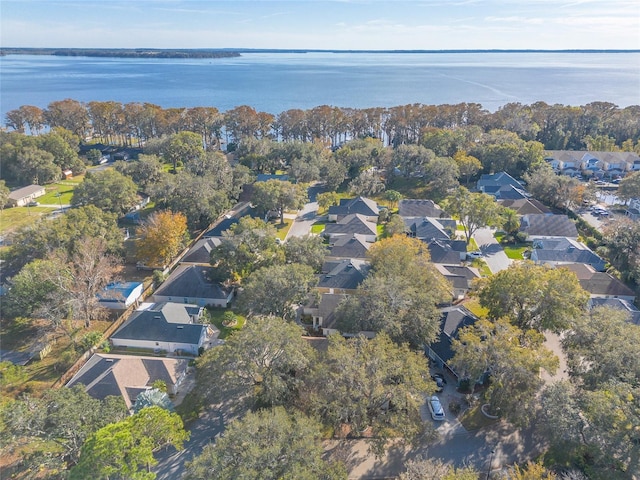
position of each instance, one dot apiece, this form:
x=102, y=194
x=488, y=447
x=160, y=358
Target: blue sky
x=339, y=24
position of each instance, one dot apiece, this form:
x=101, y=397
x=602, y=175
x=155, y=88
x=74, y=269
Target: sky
x=322, y=24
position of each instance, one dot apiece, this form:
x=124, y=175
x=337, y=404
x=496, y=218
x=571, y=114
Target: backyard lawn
x=216, y=316
x=64, y=188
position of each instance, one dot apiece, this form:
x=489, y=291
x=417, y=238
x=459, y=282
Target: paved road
x=493, y=253
x=306, y=217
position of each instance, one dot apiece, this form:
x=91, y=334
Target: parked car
x=435, y=407
x=440, y=381
x=476, y=254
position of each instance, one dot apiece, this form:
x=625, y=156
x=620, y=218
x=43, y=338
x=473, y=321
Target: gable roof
x=426, y=228
x=192, y=281
x=353, y=223
x=443, y=252
x=346, y=274
x=411, y=207
x=452, y=319
x=548, y=226
x=224, y=225
x=361, y=205
x=509, y=192
x=328, y=304
x=201, y=251
x=565, y=250
x=599, y=283
x=126, y=375
x=524, y=206
x=497, y=179
x=618, y=304
x=164, y=322
x=350, y=247
x=27, y=191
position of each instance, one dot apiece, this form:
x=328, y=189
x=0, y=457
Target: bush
x=455, y=407
x=507, y=240
x=465, y=385
x=521, y=237
x=229, y=319
x=90, y=340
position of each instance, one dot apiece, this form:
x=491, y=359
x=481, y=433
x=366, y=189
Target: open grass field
x=13, y=218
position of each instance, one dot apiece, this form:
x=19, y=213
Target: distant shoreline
x=236, y=52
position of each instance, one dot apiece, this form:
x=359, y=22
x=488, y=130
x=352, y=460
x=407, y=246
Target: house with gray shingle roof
x=561, y=251
x=200, y=253
x=168, y=327
x=127, y=376
x=343, y=276
x=452, y=320
x=349, y=247
x=600, y=284
x=350, y=225
x=349, y=206
x=447, y=252
x=525, y=206
x=427, y=229
x=192, y=284
x=619, y=304
x=460, y=277
x=489, y=183
x=536, y=226
x=411, y=207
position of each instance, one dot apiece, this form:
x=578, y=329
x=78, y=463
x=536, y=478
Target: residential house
x=411, y=207
x=566, y=162
x=452, y=320
x=633, y=209
x=350, y=225
x=25, y=195
x=460, y=277
x=221, y=227
x=561, y=251
x=538, y=226
x=200, y=253
x=342, y=276
x=168, y=327
x=192, y=284
x=348, y=206
x=611, y=164
x=344, y=247
x=524, y=206
x=492, y=183
x=127, y=376
x=600, y=284
x=427, y=229
x=447, y=252
x=619, y=304
x=324, y=313
x=120, y=296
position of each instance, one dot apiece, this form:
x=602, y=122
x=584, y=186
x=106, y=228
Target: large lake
x=274, y=82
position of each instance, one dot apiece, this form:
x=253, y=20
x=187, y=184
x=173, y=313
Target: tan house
x=25, y=195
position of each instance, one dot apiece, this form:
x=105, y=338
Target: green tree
x=279, y=196
x=63, y=145
x=309, y=250
x=146, y=172
x=33, y=165
x=393, y=197
x=629, y=187
x=468, y=165
x=362, y=384
x=264, y=363
x=275, y=290
x=184, y=147
x=510, y=221
x=366, y=183
x=622, y=247
x=558, y=191
x=125, y=449
x=246, y=246
x=473, y=210
x=162, y=236
x=441, y=175
x=533, y=296
x=4, y=194
x=108, y=190
x=512, y=358
x=153, y=397
x=411, y=159
x=267, y=445
x=423, y=468
x=327, y=199
x=400, y=295
x=395, y=226
x=65, y=416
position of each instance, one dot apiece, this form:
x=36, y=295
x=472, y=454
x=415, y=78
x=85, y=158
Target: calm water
x=275, y=82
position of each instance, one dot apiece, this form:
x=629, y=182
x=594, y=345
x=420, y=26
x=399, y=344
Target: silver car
x=435, y=407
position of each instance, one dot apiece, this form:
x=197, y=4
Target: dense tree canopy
x=264, y=363
x=533, y=296
x=108, y=190
x=162, y=236
x=267, y=445
x=279, y=196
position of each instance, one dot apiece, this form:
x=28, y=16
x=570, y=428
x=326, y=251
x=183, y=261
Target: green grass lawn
x=16, y=217
x=216, y=316
x=283, y=229
x=318, y=227
x=482, y=266
x=473, y=305
x=63, y=188
x=513, y=251
x=472, y=246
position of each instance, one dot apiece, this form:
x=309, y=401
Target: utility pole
x=493, y=450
